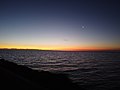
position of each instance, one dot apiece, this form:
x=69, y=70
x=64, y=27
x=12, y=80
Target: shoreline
x=18, y=76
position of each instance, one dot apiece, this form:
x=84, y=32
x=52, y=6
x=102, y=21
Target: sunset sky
x=60, y=24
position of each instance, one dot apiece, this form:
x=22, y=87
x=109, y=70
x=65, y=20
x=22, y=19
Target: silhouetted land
x=109, y=50
x=13, y=76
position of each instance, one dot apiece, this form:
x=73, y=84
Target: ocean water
x=91, y=70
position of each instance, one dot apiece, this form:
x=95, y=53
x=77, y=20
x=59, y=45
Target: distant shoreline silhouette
x=106, y=50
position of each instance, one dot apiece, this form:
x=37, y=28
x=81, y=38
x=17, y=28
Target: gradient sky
x=60, y=24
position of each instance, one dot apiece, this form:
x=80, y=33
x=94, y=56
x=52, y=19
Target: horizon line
x=59, y=50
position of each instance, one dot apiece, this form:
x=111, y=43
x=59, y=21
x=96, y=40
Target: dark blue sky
x=60, y=24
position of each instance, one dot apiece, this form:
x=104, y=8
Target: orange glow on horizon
x=52, y=47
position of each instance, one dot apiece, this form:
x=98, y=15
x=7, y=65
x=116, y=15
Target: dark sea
x=91, y=70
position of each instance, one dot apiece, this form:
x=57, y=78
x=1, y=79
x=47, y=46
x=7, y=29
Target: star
x=83, y=27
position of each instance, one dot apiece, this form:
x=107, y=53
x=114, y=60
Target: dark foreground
x=13, y=76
